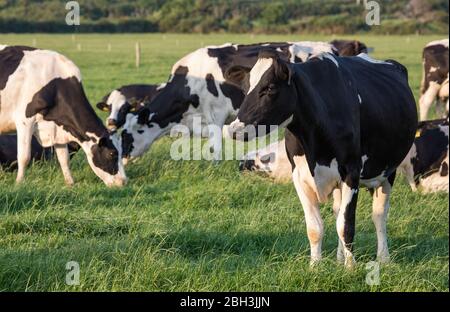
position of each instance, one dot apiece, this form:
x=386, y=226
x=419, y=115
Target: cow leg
x=314, y=223
x=379, y=215
x=24, y=137
x=427, y=99
x=336, y=207
x=345, y=223
x=62, y=152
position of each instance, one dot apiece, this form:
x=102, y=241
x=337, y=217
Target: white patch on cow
x=435, y=182
x=428, y=98
x=433, y=69
x=260, y=68
x=116, y=100
x=359, y=98
x=307, y=49
x=308, y=199
x=373, y=182
x=161, y=86
x=443, y=42
x=329, y=57
x=286, y=123
x=2, y=47
x=367, y=58
x=407, y=168
x=325, y=179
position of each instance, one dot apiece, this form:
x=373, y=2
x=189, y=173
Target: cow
x=8, y=151
x=197, y=88
x=124, y=100
x=349, y=47
x=271, y=160
x=426, y=165
x=434, y=85
x=41, y=94
x=350, y=121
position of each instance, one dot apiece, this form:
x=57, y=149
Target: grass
x=193, y=225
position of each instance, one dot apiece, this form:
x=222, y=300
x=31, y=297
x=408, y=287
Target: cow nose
x=112, y=124
x=247, y=165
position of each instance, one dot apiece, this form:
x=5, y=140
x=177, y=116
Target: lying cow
x=197, y=88
x=349, y=47
x=41, y=94
x=119, y=102
x=272, y=160
x=426, y=165
x=8, y=151
x=434, y=86
x=350, y=122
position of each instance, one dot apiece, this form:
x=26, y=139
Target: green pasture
x=195, y=225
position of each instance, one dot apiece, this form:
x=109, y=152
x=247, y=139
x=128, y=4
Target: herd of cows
x=349, y=120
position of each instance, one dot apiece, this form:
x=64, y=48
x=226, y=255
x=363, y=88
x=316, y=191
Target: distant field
x=193, y=225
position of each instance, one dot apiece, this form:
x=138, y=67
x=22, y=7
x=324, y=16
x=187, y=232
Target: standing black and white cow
x=434, y=86
x=124, y=100
x=41, y=94
x=426, y=165
x=350, y=122
x=197, y=88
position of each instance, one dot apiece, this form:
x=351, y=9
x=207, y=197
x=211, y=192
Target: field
x=195, y=225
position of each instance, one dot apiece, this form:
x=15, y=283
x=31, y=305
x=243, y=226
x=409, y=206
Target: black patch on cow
x=64, y=102
x=431, y=148
x=235, y=94
x=444, y=169
x=105, y=156
x=211, y=85
x=297, y=59
x=127, y=143
x=10, y=58
x=349, y=47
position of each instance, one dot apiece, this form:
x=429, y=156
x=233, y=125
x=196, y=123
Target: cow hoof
x=69, y=183
x=350, y=263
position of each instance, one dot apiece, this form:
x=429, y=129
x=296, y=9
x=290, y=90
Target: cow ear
x=143, y=116
x=283, y=70
x=103, y=142
x=237, y=74
x=103, y=106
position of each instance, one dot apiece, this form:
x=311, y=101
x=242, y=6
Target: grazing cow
x=8, y=151
x=434, y=86
x=41, y=94
x=271, y=160
x=426, y=164
x=197, y=88
x=349, y=47
x=350, y=122
x=124, y=100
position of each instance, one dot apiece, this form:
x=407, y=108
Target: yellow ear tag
x=133, y=109
x=417, y=134
x=105, y=109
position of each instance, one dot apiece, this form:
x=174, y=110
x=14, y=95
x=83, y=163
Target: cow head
x=270, y=99
x=105, y=159
x=156, y=118
x=117, y=105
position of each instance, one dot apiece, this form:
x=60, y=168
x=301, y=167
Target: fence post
x=138, y=54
